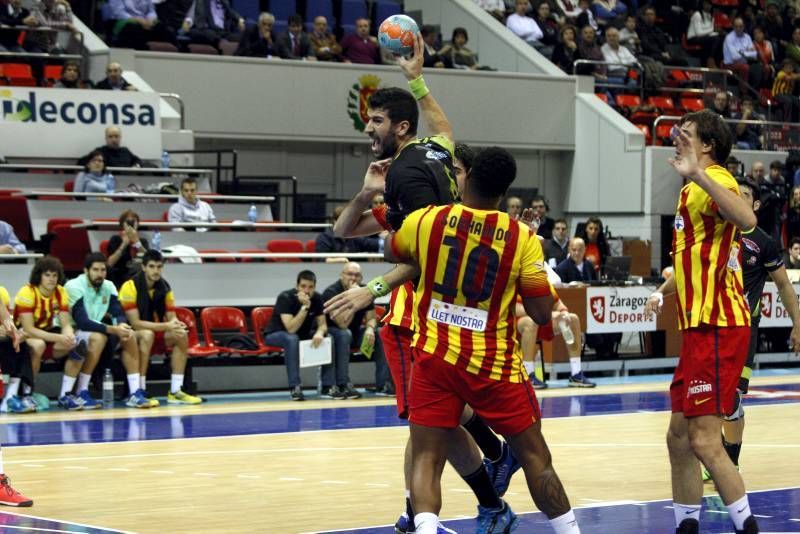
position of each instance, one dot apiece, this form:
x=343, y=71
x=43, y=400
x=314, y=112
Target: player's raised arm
x=359, y=298
x=357, y=220
x=431, y=111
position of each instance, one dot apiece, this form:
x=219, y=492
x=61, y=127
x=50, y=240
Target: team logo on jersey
x=766, y=305
x=750, y=244
x=752, y=260
x=358, y=100
x=679, y=222
x=697, y=387
x=733, y=258
x=434, y=154
x=598, y=307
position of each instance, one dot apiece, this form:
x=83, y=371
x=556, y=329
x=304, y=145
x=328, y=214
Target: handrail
x=275, y=255
x=25, y=256
x=230, y=170
x=635, y=66
x=767, y=123
x=46, y=29
x=244, y=225
x=123, y=170
x=181, y=106
x=277, y=178
x=136, y=196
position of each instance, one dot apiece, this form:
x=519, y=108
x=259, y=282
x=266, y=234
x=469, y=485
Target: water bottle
x=156, y=240
x=111, y=183
x=108, y=389
x=252, y=213
x=566, y=331
x=165, y=160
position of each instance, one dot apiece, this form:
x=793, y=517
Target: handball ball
x=396, y=34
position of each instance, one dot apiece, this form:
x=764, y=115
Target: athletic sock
x=575, y=365
x=27, y=390
x=143, y=382
x=133, y=382
x=565, y=524
x=733, y=450
x=409, y=508
x=530, y=368
x=685, y=511
x=426, y=523
x=67, y=383
x=489, y=443
x=482, y=487
x=13, y=387
x=177, y=383
x=739, y=511
x=83, y=381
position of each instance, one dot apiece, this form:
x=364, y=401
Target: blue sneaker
x=538, y=384
x=15, y=405
x=30, y=402
x=70, y=402
x=41, y=402
x=138, y=400
x=441, y=529
x=496, y=520
x=580, y=381
x=501, y=470
x=88, y=402
x=404, y=525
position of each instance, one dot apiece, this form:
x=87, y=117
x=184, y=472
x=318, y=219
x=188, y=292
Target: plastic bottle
x=111, y=183
x=252, y=213
x=108, y=389
x=566, y=331
x=156, y=240
x=165, y=160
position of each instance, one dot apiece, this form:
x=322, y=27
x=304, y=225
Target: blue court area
x=12, y=522
x=778, y=511
x=338, y=418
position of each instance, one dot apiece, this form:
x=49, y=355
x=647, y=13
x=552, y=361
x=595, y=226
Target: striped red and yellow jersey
x=45, y=310
x=401, y=301
x=705, y=256
x=473, y=263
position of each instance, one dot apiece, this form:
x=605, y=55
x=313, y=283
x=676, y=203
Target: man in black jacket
x=208, y=21
x=258, y=41
x=114, y=154
x=294, y=43
x=655, y=42
x=576, y=268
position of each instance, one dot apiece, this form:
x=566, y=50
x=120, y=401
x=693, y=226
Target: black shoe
x=750, y=526
x=297, y=394
x=386, y=391
x=688, y=526
x=350, y=392
x=332, y=392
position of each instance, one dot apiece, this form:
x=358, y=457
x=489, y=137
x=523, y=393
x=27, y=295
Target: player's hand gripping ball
x=396, y=34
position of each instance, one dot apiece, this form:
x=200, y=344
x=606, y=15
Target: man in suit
x=556, y=248
x=208, y=21
x=258, y=41
x=294, y=43
x=576, y=268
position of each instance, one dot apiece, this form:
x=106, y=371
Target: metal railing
x=634, y=66
x=224, y=172
x=79, y=57
x=181, y=106
x=770, y=128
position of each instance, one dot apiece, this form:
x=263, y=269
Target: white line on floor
x=291, y=479
x=373, y=485
x=334, y=482
x=157, y=472
x=205, y=474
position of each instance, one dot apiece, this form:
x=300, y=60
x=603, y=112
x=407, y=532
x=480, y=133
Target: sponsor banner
x=68, y=123
x=773, y=312
x=617, y=309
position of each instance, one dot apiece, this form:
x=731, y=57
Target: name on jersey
x=475, y=227
x=461, y=316
x=751, y=245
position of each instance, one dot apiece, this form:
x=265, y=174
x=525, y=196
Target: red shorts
x=159, y=344
x=545, y=333
x=397, y=348
x=708, y=370
x=439, y=391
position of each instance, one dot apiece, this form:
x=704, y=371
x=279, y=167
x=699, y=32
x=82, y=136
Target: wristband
x=660, y=296
x=378, y=287
x=418, y=87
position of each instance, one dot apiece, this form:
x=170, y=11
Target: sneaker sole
x=188, y=403
x=579, y=385
x=298, y=399
x=142, y=406
x=22, y=504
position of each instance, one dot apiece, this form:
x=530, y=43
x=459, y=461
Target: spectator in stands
x=734, y=166
x=548, y=23
x=738, y=50
x=101, y=322
x=114, y=80
x=94, y=177
x=594, y=240
x=748, y=136
x=585, y=16
x=350, y=330
x=294, y=42
x=135, y=23
x=13, y=14
x=70, y=77
x=361, y=47
x=126, y=249
x=14, y=359
x=37, y=306
x=149, y=305
x=656, y=42
x=722, y=104
x=496, y=8
x=589, y=49
x=171, y=14
x=569, y=10
x=432, y=57
x=575, y=267
x=378, y=201
x=323, y=41
x=773, y=195
x=566, y=51
x=792, y=48
x=628, y=36
x=792, y=259
x=189, y=208
x=209, y=21
x=545, y=224
x=526, y=28
x=114, y=154
x=757, y=172
x=702, y=33
x=783, y=91
x=327, y=241
x=770, y=20
x=766, y=59
x=56, y=14
x=557, y=247
x=614, y=52
x=297, y=316
x=456, y=52
x=793, y=214
x=258, y=41
x=9, y=242
x=608, y=11
x=514, y=207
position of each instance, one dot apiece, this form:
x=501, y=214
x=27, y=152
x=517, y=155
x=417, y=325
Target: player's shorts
x=744, y=379
x=439, y=391
x=397, y=348
x=159, y=343
x=545, y=332
x=708, y=370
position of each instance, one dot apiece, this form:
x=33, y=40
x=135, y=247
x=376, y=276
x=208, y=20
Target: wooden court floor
x=321, y=480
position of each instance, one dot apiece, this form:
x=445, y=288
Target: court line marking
x=117, y=531
x=205, y=474
x=37, y=529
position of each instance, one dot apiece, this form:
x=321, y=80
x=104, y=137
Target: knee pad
x=738, y=408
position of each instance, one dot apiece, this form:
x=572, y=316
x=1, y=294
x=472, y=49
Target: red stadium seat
x=663, y=132
x=252, y=251
x=69, y=186
x=61, y=221
x=52, y=73
x=260, y=317
x=722, y=21
x=293, y=246
x=311, y=246
x=602, y=96
x=196, y=349
x=628, y=101
x=104, y=247
x=161, y=46
x=8, y=192
x=216, y=251
x=19, y=74
x=70, y=245
x=224, y=318
x=14, y=211
x=689, y=47
x=692, y=104
x=664, y=104
x=648, y=139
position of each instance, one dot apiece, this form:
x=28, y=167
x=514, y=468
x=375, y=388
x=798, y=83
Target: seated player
x=100, y=321
x=14, y=361
x=150, y=308
x=36, y=307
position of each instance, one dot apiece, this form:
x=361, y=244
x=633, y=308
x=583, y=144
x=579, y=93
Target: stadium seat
x=228, y=48
x=224, y=318
x=196, y=48
x=104, y=246
x=216, y=251
x=52, y=73
x=311, y=246
x=69, y=186
x=692, y=104
x=70, y=245
x=260, y=318
x=726, y=3
x=248, y=9
x=285, y=246
x=252, y=251
x=315, y=8
x=161, y=46
x=663, y=133
x=14, y=211
x=602, y=96
x=689, y=47
x=61, y=221
x=18, y=74
x=646, y=131
x=281, y=9
x=352, y=10
x=722, y=21
x=664, y=104
x=196, y=349
x=385, y=9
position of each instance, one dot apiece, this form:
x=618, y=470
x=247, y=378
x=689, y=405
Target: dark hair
x=794, y=241
x=561, y=220
x=460, y=31
x=540, y=198
x=751, y=185
x=294, y=20
x=125, y=215
x=602, y=244
x=152, y=255
x=189, y=180
x=427, y=29
x=47, y=264
x=776, y=164
x=399, y=106
x=711, y=130
x=306, y=275
x=493, y=170
x=465, y=155
x=92, y=258
x=93, y=154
